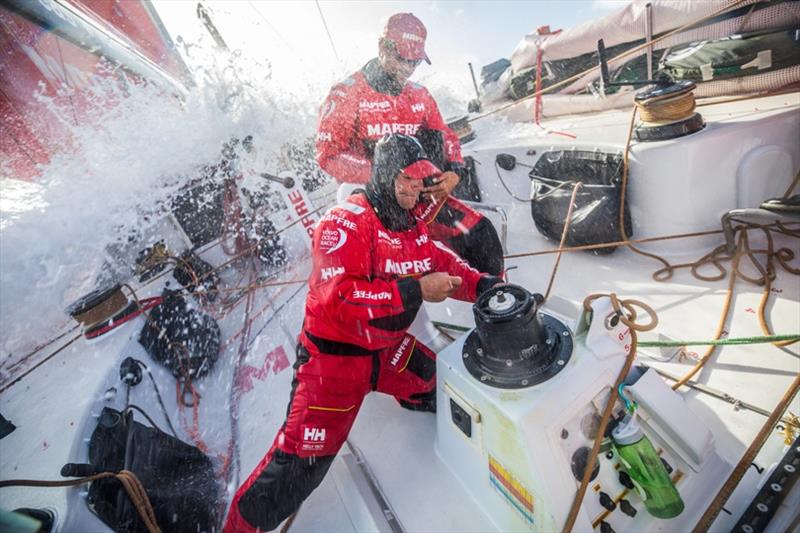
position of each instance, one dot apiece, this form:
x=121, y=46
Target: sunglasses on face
x=396, y=55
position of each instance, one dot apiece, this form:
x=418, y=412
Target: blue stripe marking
x=510, y=498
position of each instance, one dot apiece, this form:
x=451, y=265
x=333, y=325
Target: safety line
x=723, y=342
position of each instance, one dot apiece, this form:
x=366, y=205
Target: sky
x=291, y=35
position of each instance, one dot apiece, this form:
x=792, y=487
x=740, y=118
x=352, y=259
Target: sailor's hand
x=438, y=286
x=443, y=187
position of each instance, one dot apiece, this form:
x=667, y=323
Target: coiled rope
x=133, y=487
x=666, y=109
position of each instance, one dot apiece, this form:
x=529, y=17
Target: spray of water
x=137, y=146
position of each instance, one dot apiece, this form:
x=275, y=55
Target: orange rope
x=567, y=223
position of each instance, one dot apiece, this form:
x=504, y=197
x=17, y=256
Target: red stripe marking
x=522, y=498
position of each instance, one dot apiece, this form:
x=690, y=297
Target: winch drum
x=514, y=344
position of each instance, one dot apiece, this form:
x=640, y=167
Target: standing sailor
x=379, y=100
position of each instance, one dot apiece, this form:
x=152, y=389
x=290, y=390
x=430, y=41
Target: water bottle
x=644, y=466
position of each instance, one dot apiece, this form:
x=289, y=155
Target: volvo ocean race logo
x=332, y=239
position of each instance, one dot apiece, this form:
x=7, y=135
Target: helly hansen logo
x=412, y=37
x=422, y=239
x=377, y=130
x=418, y=108
x=408, y=267
x=314, y=435
x=324, y=136
x=331, y=272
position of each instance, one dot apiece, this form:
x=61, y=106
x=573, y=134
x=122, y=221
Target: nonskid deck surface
x=52, y=407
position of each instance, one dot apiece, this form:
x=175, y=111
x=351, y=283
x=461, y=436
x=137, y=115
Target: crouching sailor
x=374, y=264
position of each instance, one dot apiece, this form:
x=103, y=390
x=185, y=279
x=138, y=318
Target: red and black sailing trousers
x=330, y=382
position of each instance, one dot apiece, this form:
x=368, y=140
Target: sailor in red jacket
x=374, y=264
x=379, y=100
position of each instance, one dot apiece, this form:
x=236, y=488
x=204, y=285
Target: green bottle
x=644, y=466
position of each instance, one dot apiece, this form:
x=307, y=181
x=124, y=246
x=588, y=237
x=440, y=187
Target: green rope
x=654, y=344
x=722, y=342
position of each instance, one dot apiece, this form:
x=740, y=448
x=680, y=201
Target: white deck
x=51, y=406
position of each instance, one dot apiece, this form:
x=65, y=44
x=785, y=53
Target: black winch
x=667, y=112
x=666, y=108
x=515, y=345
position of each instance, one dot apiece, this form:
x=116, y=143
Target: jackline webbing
x=736, y=341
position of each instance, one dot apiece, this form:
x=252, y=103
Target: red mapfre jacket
x=363, y=289
x=355, y=114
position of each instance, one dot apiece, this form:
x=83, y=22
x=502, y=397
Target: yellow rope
x=667, y=110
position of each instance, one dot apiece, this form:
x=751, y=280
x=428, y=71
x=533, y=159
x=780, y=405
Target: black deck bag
x=183, y=339
x=178, y=478
x=199, y=210
x=595, y=217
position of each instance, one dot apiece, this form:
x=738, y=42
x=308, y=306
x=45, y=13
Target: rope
x=40, y=347
x=666, y=110
x=567, y=223
x=618, y=305
x=707, y=520
x=133, y=487
x=623, y=55
x=737, y=341
x=792, y=186
x=40, y=363
x=783, y=255
x=612, y=244
x=767, y=274
x=722, y=321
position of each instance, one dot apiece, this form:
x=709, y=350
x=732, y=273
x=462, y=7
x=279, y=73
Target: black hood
x=379, y=80
x=393, y=153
